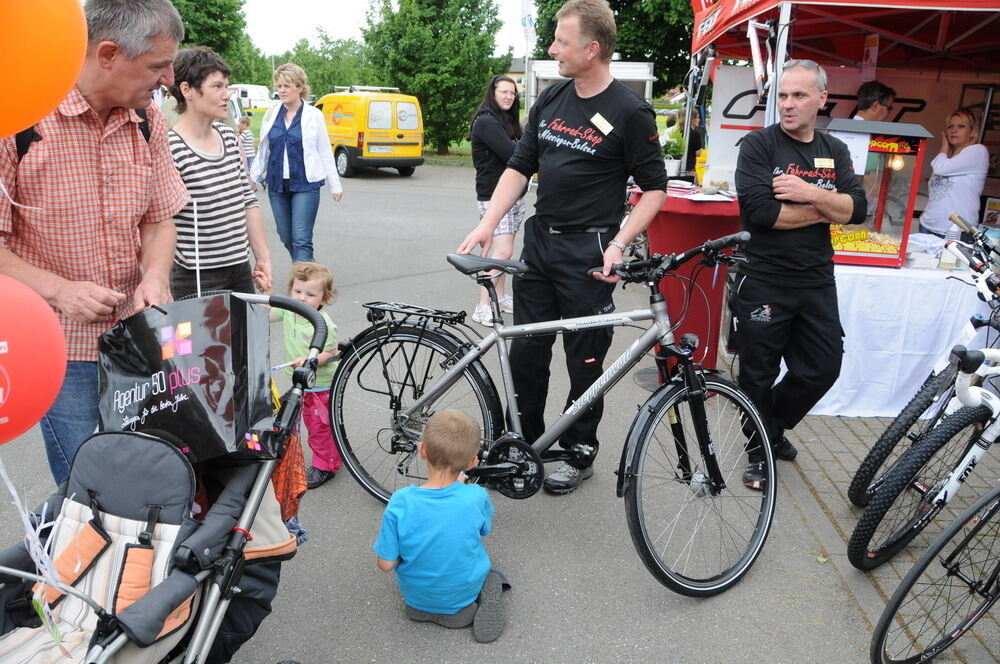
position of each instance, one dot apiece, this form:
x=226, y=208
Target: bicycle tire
x=933, y=606
x=903, y=505
x=734, y=524
x=930, y=399
x=378, y=451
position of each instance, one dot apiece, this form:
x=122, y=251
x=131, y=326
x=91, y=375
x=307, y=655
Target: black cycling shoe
x=754, y=477
x=784, y=450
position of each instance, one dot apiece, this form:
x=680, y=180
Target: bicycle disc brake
x=530, y=471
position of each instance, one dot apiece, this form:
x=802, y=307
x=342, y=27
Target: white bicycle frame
x=967, y=394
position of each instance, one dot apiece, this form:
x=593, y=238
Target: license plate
x=380, y=148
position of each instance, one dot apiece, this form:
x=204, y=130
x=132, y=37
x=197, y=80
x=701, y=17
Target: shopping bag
x=195, y=372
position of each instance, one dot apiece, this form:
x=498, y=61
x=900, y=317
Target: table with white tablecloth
x=898, y=324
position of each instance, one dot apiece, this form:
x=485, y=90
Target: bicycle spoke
x=692, y=537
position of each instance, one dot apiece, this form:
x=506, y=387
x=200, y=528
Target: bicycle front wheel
x=947, y=591
x=905, y=504
x=918, y=417
x=696, y=543
x=378, y=378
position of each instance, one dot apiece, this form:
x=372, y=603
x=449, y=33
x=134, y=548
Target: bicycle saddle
x=469, y=264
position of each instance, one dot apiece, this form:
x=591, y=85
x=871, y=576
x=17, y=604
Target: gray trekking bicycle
x=695, y=525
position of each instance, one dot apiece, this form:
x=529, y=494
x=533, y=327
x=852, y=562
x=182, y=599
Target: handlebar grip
x=964, y=255
x=968, y=360
x=961, y=223
x=616, y=268
x=319, y=325
x=728, y=241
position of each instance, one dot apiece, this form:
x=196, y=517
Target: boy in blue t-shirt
x=432, y=535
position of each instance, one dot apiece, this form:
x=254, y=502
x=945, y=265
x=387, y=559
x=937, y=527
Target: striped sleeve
x=211, y=228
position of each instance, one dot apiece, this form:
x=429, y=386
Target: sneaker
x=317, y=478
x=565, y=478
x=488, y=624
x=483, y=315
x=507, y=304
x=784, y=450
x=754, y=477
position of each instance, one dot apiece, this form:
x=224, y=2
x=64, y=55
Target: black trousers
x=557, y=286
x=237, y=278
x=798, y=325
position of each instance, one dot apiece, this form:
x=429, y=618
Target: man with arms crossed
x=89, y=219
x=584, y=137
x=793, y=182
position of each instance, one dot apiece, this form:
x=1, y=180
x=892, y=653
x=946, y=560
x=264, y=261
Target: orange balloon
x=32, y=358
x=42, y=46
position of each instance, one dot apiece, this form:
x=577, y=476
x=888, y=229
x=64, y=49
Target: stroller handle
x=282, y=302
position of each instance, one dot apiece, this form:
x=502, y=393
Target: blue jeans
x=72, y=418
x=294, y=215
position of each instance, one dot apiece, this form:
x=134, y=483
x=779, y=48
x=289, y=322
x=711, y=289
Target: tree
x=219, y=24
x=657, y=31
x=247, y=64
x=441, y=51
x=333, y=62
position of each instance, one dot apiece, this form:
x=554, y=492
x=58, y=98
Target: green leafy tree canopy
x=441, y=51
x=219, y=24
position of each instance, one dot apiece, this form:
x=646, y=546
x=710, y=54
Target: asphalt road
x=580, y=592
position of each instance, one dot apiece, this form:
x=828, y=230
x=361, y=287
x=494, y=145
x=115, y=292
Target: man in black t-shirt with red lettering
x=793, y=182
x=584, y=137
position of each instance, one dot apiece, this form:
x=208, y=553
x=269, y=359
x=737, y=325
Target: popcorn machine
x=889, y=157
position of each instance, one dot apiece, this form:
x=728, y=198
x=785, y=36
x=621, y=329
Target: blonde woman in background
x=295, y=160
x=958, y=175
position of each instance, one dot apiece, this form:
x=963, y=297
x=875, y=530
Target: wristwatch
x=616, y=243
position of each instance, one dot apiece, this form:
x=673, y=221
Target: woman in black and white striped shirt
x=222, y=223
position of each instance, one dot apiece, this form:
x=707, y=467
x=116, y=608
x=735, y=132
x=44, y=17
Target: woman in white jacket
x=294, y=159
x=958, y=175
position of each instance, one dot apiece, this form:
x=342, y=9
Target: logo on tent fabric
x=175, y=340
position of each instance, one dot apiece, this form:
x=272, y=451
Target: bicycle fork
x=701, y=484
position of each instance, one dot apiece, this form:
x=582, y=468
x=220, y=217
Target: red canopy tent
x=914, y=34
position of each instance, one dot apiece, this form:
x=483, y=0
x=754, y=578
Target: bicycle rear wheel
x=947, y=591
x=381, y=375
x=693, y=542
x=904, y=505
x=919, y=416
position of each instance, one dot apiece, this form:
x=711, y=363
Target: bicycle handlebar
x=320, y=332
x=987, y=282
x=969, y=363
x=658, y=265
x=977, y=235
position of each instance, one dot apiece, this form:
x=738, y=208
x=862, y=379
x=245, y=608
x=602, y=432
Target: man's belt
x=579, y=229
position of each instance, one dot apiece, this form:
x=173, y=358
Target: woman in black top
x=494, y=130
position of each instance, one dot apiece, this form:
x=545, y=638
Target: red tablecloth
x=679, y=225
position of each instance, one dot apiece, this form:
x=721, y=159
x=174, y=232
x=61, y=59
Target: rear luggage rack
x=377, y=311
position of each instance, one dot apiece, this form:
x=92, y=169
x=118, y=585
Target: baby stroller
x=143, y=577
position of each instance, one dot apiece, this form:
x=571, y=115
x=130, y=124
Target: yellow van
x=373, y=127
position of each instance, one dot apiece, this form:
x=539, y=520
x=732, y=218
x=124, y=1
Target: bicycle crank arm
x=507, y=469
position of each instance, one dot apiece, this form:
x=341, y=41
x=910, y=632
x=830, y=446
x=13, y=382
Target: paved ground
x=580, y=592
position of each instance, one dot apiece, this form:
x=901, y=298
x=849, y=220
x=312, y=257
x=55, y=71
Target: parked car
x=371, y=127
x=253, y=98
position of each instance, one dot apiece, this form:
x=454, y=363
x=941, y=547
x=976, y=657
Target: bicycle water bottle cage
x=967, y=360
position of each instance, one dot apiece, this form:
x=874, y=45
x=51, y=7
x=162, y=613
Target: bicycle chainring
x=531, y=474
